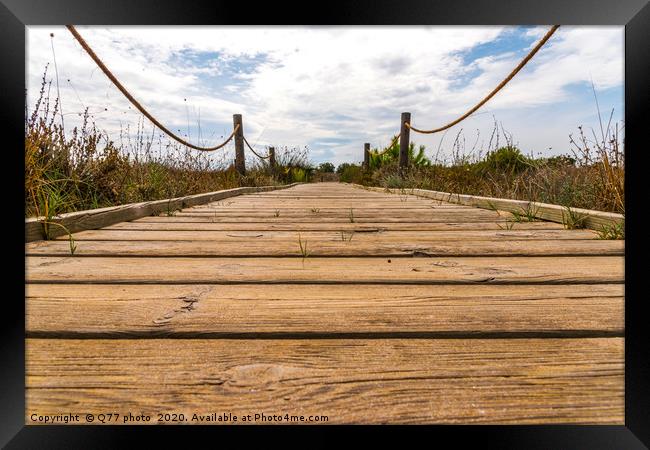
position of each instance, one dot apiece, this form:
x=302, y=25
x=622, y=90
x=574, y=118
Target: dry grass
x=591, y=177
x=83, y=169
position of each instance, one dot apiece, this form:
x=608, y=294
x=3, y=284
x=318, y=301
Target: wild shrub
x=379, y=159
x=590, y=177
x=352, y=173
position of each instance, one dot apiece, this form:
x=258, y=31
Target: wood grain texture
x=160, y=224
x=365, y=234
x=452, y=270
x=242, y=244
x=307, y=203
x=420, y=215
x=418, y=311
x=249, y=310
x=245, y=222
x=335, y=220
x=350, y=381
x=290, y=212
x=360, y=209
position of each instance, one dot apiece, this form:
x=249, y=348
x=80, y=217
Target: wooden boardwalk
x=326, y=299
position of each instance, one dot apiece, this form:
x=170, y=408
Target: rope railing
x=253, y=150
x=405, y=122
x=137, y=104
x=237, y=132
x=501, y=85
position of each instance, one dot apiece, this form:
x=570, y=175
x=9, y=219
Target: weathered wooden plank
x=451, y=270
x=593, y=219
x=344, y=213
x=173, y=225
x=222, y=310
x=331, y=236
x=327, y=189
x=97, y=218
x=245, y=220
x=350, y=381
x=307, y=203
x=271, y=218
x=255, y=244
x=380, y=199
x=338, y=213
x=305, y=208
x=396, y=200
x=324, y=194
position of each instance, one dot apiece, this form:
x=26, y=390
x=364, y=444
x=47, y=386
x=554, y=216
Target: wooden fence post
x=240, y=159
x=366, y=156
x=272, y=157
x=404, y=140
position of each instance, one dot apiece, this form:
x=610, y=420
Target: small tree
x=326, y=167
x=342, y=167
x=417, y=159
x=506, y=159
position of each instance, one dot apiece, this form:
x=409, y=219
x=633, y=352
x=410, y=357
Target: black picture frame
x=633, y=14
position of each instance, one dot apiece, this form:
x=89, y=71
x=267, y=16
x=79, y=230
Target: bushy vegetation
x=352, y=173
x=326, y=167
x=293, y=166
x=592, y=177
x=85, y=169
x=380, y=158
x=342, y=167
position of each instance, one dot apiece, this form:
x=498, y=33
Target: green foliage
x=507, y=159
x=416, y=158
x=299, y=175
x=590, y=179
x=293, y=166
x=556, y=161
x=351, y=173
x=326, y=167
x=572, y=219
x=347, y=237
x=48, y=235
x=83, y=169
x=614, y=231
x=303, y=247
x=527, y=214
x=395, y=181
x=342, y=167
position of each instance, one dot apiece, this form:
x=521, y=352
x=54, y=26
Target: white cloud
x=316, y=84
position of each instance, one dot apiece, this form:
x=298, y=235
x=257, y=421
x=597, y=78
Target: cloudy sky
x=334, y=88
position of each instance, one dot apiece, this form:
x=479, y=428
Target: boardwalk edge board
x=595, y=220
x=97, y=218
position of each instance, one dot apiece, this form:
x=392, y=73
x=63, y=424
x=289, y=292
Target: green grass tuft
x=614, y=231
x=573, y=220
x=303, y=247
